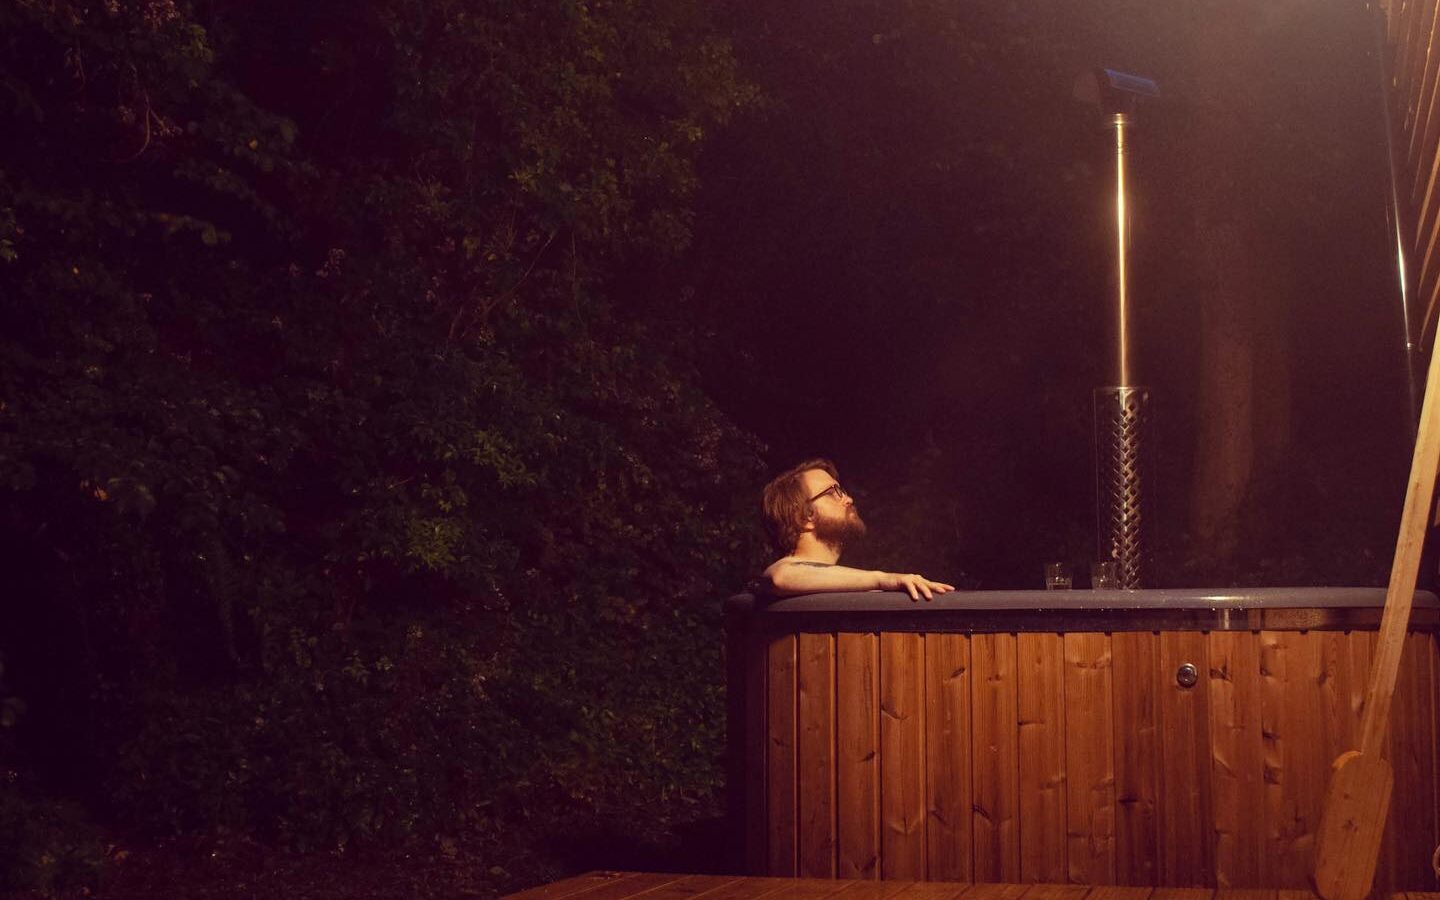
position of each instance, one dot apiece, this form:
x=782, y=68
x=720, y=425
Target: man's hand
x=916, y=585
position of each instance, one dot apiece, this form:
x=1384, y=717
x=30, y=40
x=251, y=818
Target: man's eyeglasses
x=834, y=490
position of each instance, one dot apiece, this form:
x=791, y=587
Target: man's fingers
x=941, y=587
x=910, y=586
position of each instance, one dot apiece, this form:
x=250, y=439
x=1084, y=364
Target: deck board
x=606, y=885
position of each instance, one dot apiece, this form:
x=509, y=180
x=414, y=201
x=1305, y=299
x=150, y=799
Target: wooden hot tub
x=1095, y=737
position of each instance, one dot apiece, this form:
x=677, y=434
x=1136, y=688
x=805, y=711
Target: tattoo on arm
x=805, y=562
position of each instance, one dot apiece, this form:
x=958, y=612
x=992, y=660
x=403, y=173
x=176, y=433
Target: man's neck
x=810, y=549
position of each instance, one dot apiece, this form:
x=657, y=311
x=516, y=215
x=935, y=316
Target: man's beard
x=838, y=532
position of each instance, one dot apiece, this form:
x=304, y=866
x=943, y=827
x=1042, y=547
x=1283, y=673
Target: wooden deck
x=656, y=886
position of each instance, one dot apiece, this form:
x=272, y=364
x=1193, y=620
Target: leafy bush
x=352, y=491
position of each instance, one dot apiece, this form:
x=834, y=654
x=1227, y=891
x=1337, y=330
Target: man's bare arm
x=797, y=576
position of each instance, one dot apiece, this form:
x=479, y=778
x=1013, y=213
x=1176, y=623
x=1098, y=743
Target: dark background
x=386, y=388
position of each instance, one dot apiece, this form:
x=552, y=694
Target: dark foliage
x=343, y=495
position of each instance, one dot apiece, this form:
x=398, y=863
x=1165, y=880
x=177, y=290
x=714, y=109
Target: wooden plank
x=1057, y=892
x=1134, y=656
x=780, y=774
x=934, y=890
x=756, y=737
x=810, y=889
x=902, y=756
x=996, y=891
x=1237, y=758
x=736, y=757
x=1421, y=137
x=816, y=756
x=857, y=675
x=1410, y=830
x=690, y=887
x=1041, y=697
x=1297, y=762
x=1244, y=894
x=1345, y=664
x=1117, y=892
x=748, y=889
x=948, y=831
x=634, y=884
x=873, y=890
x=1089, y=759
x=1170, y=893
x=995, y=758
x=571, y=887
x=1186, y=840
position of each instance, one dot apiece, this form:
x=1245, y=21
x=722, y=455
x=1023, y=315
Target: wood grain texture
x=948, y=830
x=857, y=677
x=1041, y=699
x=1118, y=892
x=1134, y=656
x=571, y=887
x=1237, y=759
x=1410, y=837
x=816, y=755
x=629, y=885
x=1186, y=839
x=780, y=764
x=757, y=831
x=689, y=887
x=1089, y=759
x=902, y=756
x=1297, y=760
x=995, y=758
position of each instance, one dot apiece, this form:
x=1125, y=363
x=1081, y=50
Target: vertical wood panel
x=902, y=757
x=1297, y=760
x=948, y=830
x=1089, y=760
x=780, y=763
x=757, y=727
x=994, y=754
x=816, y=727
x=1237, y=759
x=1041, y=699
x=858, y=756
x=1134, y=656
x=1186, y=840
x=1409, y=831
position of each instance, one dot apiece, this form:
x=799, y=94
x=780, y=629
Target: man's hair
x=785, y=505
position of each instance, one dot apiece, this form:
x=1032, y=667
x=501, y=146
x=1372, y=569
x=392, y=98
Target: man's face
x=837, y=522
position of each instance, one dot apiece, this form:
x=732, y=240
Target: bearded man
x=811, y=520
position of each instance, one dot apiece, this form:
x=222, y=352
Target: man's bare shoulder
x=784, y=561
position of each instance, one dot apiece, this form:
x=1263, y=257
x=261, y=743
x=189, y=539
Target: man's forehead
x=816, y=480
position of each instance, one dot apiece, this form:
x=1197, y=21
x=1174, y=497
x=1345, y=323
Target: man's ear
x=809, y=524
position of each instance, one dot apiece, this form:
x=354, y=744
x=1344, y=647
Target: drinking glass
x=1057, y=576
x=1105, y=575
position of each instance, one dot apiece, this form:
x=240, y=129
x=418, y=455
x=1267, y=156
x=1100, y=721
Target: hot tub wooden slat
x=1089, y=768
x=995, y=754
x=1410, y=832
x=1237, y=754
x=780, y=762
x=858, y=757
x=1298, y=752
x=756, y=817
x=947, y=755
x=817, y=754
x=1137, y=752
x=1040, y=699
x=1186, y=840
x=902, y=757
